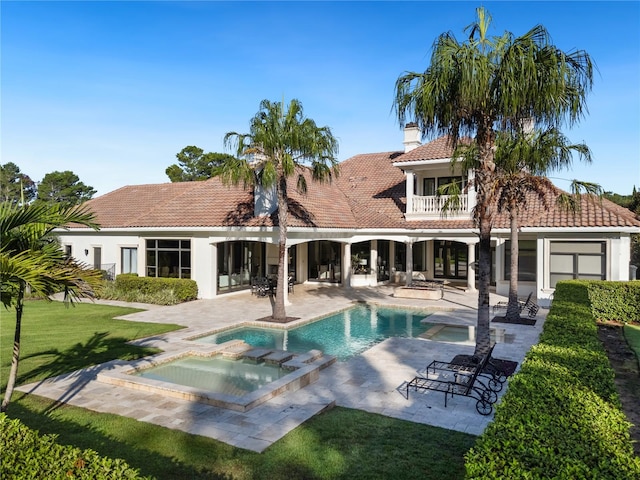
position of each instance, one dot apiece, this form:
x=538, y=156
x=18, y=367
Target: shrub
x=615, y=301
x=561, y=416
x=27, y=454
x=163, y=291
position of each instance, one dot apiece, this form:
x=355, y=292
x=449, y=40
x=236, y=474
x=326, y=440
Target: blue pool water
x=342, y=335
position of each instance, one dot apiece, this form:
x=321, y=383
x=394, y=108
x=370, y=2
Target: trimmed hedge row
x=183, y=288
x=27, y=454
x=561, y=416
x=615, y=301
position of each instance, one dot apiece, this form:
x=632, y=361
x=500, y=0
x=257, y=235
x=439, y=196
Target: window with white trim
x=576, y=260
x=169, y=258
x=526, y=260
x=129, y=260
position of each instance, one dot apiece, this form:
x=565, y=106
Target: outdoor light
x=86, y=251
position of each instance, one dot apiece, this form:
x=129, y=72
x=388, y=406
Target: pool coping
x=302, y=322
x=368, y=382
x=304, y=370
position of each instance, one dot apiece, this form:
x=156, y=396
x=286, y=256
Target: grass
x=57, y=338
x=632, y=334
x=339, y=444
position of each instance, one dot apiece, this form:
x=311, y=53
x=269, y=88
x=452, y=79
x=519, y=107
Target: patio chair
x=260, y=286
x=465, y=384
x=521, y=305
x=496, y=377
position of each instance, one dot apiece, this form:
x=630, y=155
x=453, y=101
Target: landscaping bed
x=625, y=363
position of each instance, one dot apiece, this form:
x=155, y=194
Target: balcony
x=421, y=207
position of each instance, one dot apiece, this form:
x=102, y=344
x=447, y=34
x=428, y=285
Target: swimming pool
x=342, y=335
x=217, y=374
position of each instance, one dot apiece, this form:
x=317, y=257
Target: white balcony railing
x=433, y=205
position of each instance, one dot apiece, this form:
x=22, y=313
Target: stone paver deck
x=372, y=381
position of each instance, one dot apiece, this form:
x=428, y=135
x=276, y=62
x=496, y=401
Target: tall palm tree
x=278, y=144
x=31, y=259
x=485, y=85
x=522, y=162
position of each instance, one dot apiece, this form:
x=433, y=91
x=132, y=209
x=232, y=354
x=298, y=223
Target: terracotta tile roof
x=438, y=149
x=368, y=193
x=375, y=189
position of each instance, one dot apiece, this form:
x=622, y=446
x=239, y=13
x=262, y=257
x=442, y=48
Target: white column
x=409, y=176
x=374, y=258
x=392, y=261
x=471, y=267
x=214, y=269
x=286, y=277
x=409, y=269
x=346, y=266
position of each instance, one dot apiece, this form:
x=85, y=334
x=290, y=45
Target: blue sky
x=113, y=90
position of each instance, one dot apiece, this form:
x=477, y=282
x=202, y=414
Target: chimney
x=411, y=137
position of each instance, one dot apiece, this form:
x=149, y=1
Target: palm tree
x=31, y=259
x=278, y=145
x=487, y=85
x=522, y=161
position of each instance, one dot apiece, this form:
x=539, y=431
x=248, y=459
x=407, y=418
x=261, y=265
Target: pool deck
x=372, y=381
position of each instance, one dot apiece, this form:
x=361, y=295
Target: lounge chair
x=460, y=384
x=528, y=305
x=458, y=379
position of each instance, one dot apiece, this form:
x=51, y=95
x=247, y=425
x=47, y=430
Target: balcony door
x=450, y=260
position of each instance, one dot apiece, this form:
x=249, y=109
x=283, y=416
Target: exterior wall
x=502, y=285
x=110, y=245
x=204, y=258
x=203, y=266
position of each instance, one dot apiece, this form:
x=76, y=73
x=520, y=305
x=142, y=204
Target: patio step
x=278, y=357
x=257, y=354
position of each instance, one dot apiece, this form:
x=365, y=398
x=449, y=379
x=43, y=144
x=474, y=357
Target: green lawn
x=632, y=334
x=57, y=338
x=339, y=444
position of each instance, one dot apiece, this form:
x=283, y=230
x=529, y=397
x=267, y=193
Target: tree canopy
x=280, y=143
x=483, y=86
x=195, y=165
x=31, y=258
x=64, y=188
x=15, y=186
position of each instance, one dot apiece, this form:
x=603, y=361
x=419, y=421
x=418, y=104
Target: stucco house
x=379, y=221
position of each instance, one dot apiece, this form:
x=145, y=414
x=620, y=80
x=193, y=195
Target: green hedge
x=561, y=416
x=27, y=454
x=616, y=301
x=184, y=289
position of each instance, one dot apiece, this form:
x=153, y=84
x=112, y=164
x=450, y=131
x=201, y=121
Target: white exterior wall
x=203, y=264
x=204, y=258
x=621, y=258
x=110, y=245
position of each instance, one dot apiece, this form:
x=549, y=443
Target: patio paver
x=371, y=381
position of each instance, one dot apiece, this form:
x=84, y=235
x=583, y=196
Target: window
x=129, y=260
x=526, y=260
x=400, y=259
x=576, y=260
x=447, y=180
x=450, y=259
x=169, y=258
x=240, y=261
x=383, y=260
x=429, y=187
x=361, y=257
x=67, y=251
x=97, y=258
x=324, y=261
